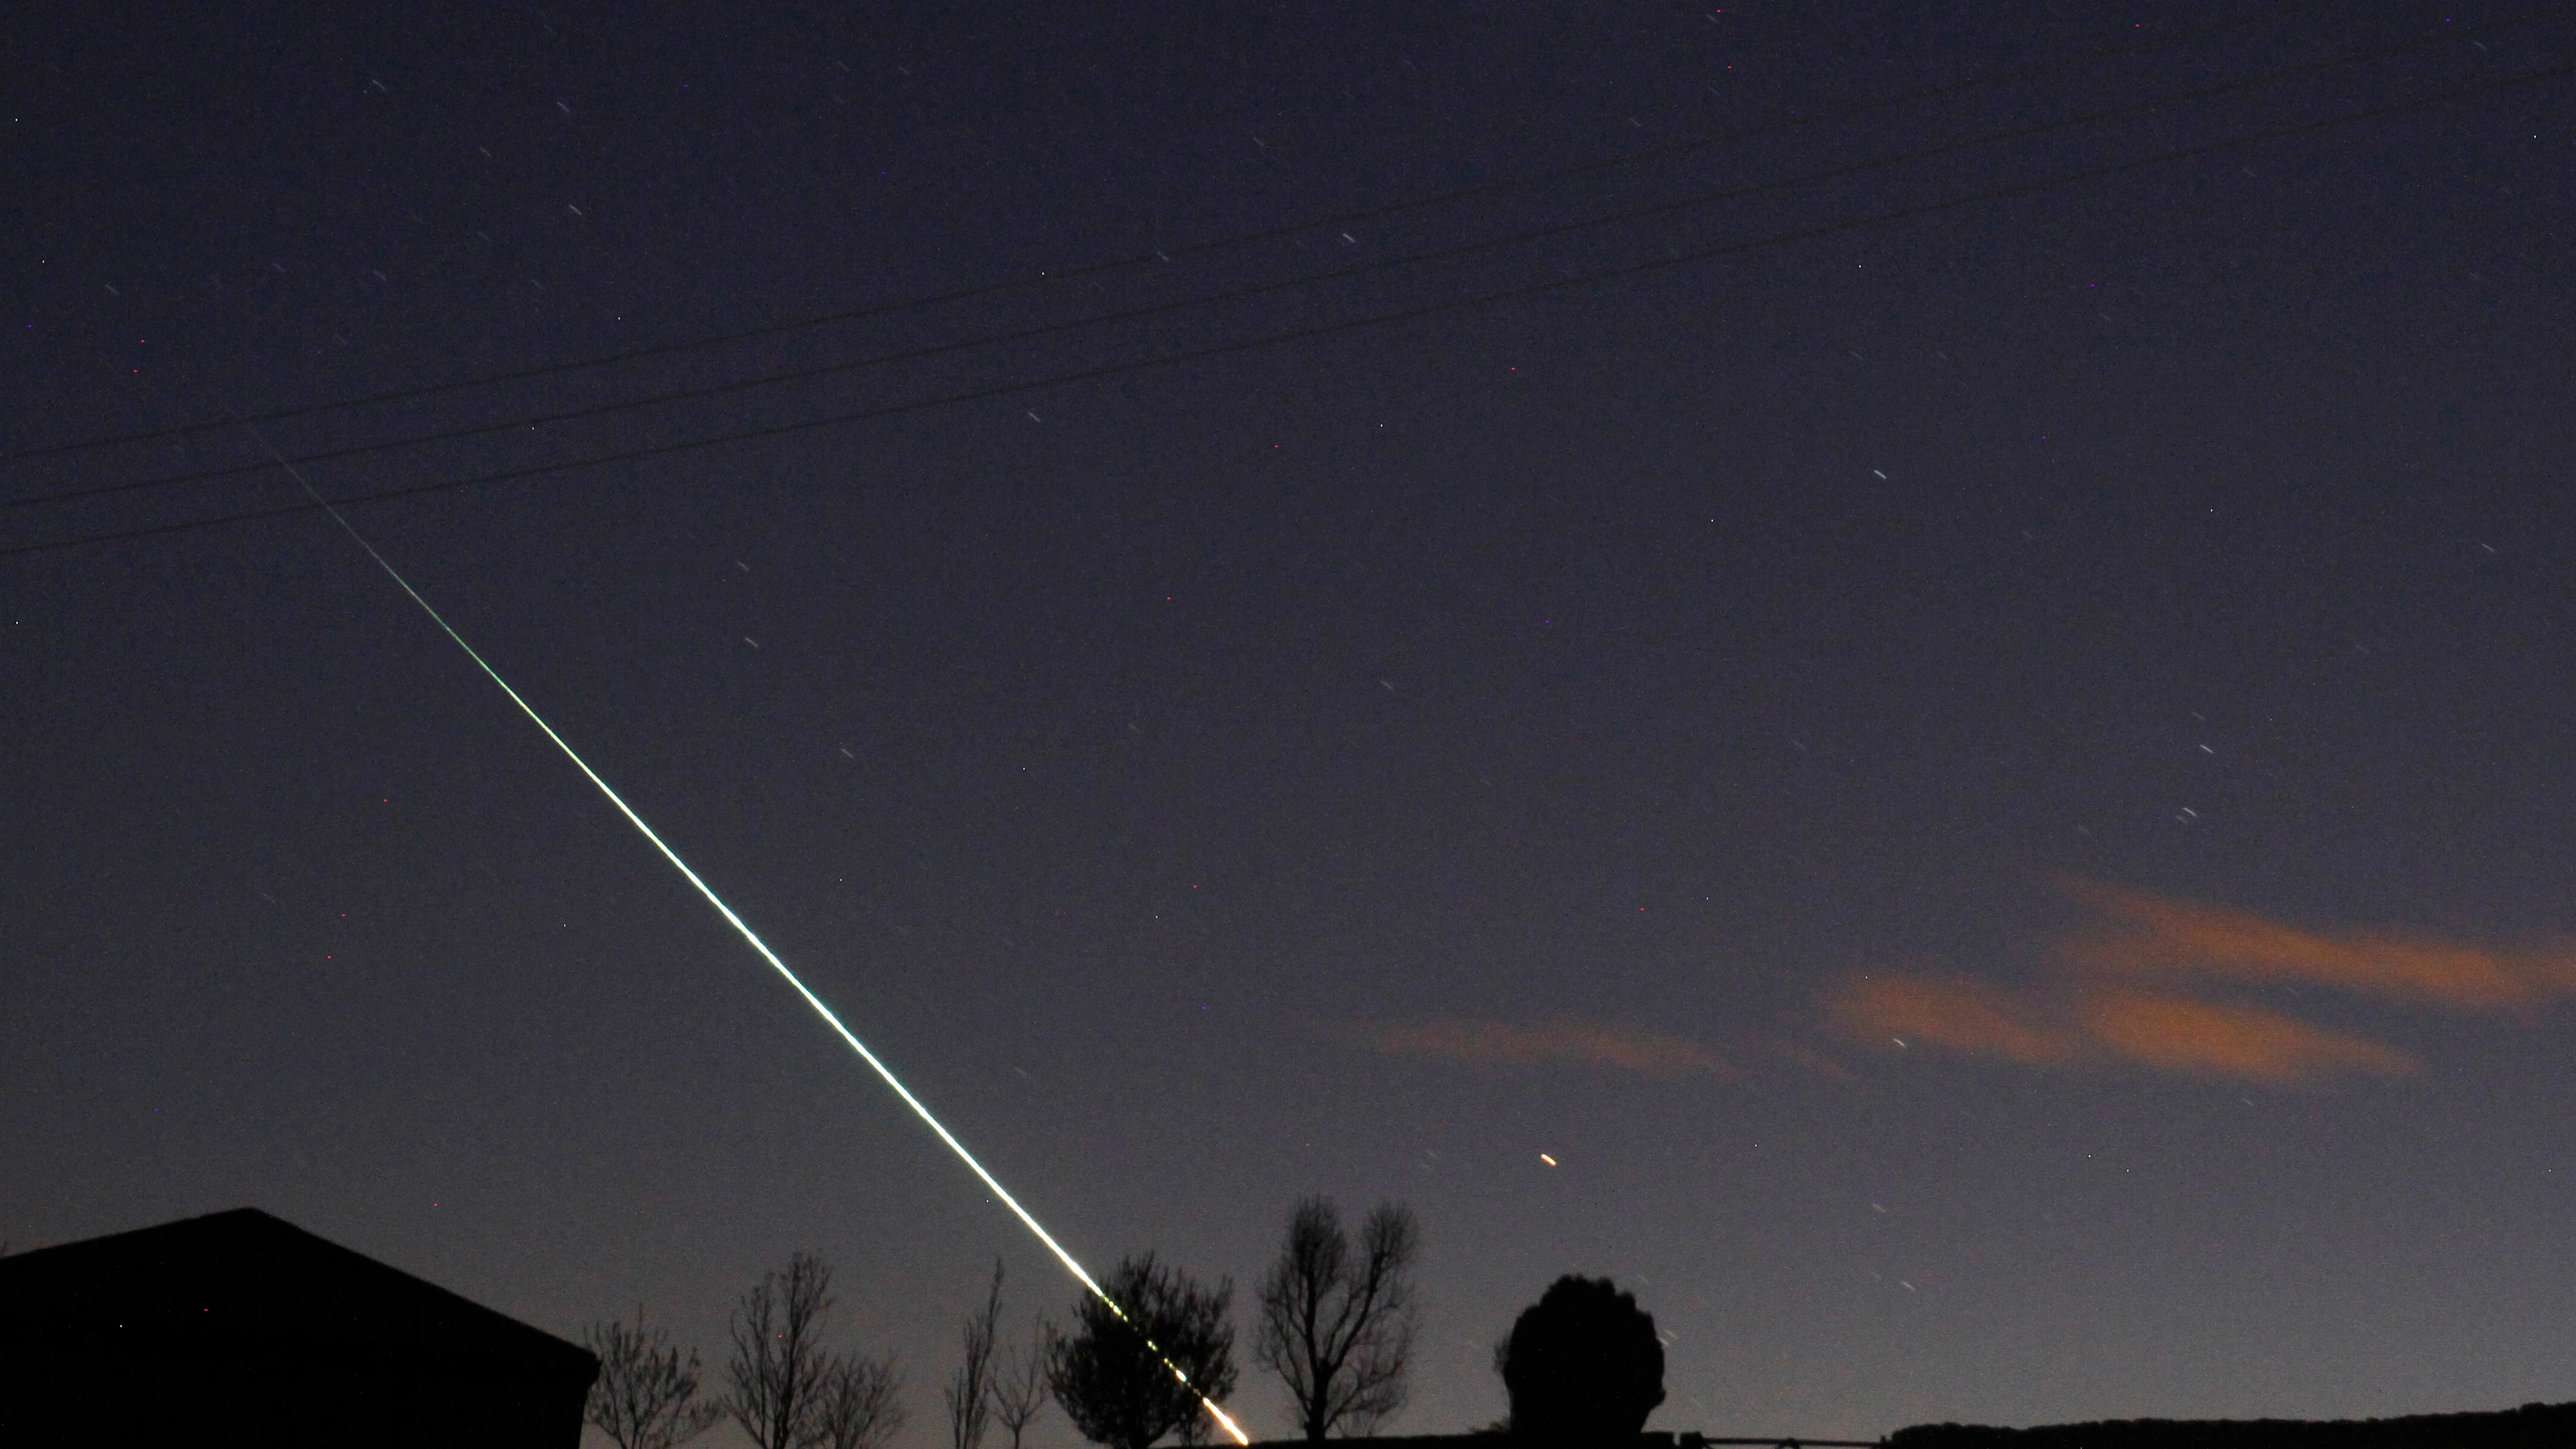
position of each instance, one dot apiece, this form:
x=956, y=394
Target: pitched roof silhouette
x=239, y=1320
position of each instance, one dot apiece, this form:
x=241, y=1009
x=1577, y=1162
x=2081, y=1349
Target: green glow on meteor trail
x=757, y=944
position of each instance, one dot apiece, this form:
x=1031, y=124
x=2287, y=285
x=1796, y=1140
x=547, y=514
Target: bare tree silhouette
x=969, y=1392
x=860, y=1405
x=775, y=1380
x=1020, y=1385
x=646, y=1395
x=785, y=1389
x=1337, y=1326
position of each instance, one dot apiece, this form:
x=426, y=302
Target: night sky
x=1981, y=749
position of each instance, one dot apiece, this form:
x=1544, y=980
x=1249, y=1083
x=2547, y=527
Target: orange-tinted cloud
x=1500, y=1043
x=2182, y=939
x=2136, y=986
x=2215, y=1039
x=1964, y=1016
x=2095, y=1026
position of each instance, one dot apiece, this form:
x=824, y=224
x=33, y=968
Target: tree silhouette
x=1337, y=1327
x=775, y=1382
x=646, y=1395
x=860, y=1405
x=969, y=1392
x=1115, y=1386
x=1583, y=1366
x=784, y=1389
x=1020, y=1386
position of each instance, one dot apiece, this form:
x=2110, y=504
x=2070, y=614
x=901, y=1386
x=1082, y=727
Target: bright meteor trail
x=820, y=1009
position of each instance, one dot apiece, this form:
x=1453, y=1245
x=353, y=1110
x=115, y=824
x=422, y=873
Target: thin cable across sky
x=1447, y=253
x=1122, y=367
x=1057, y=277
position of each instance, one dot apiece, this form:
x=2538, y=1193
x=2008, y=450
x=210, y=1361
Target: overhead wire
x=1671, y=206
x=1483, y=299
x=1169, y=254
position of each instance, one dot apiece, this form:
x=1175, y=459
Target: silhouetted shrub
x=1114, y=1374
x=1583, y=1366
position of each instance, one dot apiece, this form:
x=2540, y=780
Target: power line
x=1647, y=212
x=1635, y=269
x=1170, y=254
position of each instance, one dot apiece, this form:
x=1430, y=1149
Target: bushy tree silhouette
x=1583, y=1366
x=1118, y=1390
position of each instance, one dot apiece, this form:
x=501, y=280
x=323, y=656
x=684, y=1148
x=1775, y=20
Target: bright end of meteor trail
x=1215, y=1411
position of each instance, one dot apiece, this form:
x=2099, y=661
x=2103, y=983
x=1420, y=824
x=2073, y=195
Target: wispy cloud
x=1487, y=1042
x=1964, y=1016
x=2158, y=936
x=2225, y=1039
x=2146, y=981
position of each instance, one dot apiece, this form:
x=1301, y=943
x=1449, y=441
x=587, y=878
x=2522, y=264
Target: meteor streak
x=1215, y=1411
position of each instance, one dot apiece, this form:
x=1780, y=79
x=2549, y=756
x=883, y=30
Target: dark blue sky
x=1991, y=786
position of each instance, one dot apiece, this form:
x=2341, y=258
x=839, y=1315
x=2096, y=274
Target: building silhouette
x=239, y=1328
